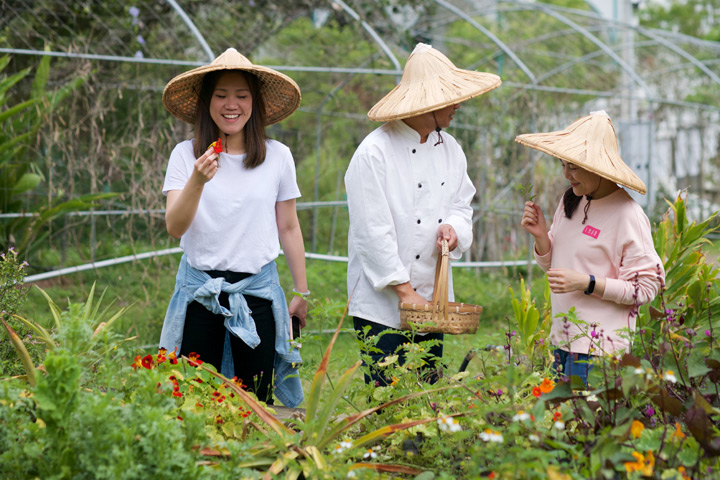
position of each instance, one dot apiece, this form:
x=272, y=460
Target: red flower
x=161, y=356
x=194, y=359
x=536, y=391
x=148, y=362
x=557, y=416
x=217, y=145
x=173, y=357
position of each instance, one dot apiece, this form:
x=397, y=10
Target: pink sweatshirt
x=615, y=243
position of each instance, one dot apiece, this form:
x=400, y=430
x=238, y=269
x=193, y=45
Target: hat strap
x=437, y=129
x=587, y=206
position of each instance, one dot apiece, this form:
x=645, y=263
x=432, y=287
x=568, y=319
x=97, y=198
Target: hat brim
x=569, y=146
x=411, y=99
x=280, y=93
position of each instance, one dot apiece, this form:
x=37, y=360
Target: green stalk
x=22, y=353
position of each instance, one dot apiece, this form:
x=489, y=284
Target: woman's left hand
x=298, y=308
x=563, y=280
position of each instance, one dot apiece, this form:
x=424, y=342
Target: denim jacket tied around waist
x=193, y=284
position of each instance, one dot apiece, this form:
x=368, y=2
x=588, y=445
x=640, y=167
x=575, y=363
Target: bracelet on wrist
x=303, y=295
x=591, y=286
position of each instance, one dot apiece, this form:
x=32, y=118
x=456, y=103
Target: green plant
x=19, y=175
x=532, y=324
x=12, y=296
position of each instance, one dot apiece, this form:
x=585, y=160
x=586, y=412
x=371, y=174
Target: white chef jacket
x=399, y=193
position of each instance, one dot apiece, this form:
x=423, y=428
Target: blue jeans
x=389, y=344
x=567, y=364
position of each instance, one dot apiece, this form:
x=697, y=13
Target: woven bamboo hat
x=280, y=92
x=591, y=144
x=430, y=81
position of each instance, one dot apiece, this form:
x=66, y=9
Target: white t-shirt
x=235, y=227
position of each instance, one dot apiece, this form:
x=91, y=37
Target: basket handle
x=440, y=289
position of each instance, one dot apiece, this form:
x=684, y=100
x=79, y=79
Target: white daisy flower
x=491, y=436
x=520, y=416
x=449, y=424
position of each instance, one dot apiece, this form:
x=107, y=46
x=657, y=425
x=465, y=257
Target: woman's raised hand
x=206, y=166
x=533, y=220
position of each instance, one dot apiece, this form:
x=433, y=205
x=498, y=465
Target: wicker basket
x=441, y=316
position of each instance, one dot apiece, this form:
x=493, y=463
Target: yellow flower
x=636, y=429
x=678, y=433
x=643, y=464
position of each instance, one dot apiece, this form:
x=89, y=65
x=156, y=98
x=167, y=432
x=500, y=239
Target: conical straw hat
x=591, y=144
x=280, y=92
x=430, y=81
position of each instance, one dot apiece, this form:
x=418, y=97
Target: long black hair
x=571, y=202
x=206, y=131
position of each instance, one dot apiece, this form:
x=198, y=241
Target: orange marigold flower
x=536, y=391
x=678, y=432
x=547, y=386
x=148, y=362
x=636, y=429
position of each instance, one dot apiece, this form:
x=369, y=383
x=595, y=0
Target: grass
x=146, y=286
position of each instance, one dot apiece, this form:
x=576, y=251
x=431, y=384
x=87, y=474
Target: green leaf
x=696, y=364
x=42, y=74
x=27, y=182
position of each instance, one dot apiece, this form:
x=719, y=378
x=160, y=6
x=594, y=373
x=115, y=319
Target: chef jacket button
x=418, y=221
x=417, y=257
x=413, y=150
x=443, y=183
x=440, y=220
x=419, y=185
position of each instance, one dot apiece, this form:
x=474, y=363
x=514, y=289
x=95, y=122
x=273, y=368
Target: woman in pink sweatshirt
x=598, y=254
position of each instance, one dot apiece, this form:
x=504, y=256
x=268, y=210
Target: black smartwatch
x=591, y=285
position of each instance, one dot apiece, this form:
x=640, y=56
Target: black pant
x=389, y=343
x=204, y=334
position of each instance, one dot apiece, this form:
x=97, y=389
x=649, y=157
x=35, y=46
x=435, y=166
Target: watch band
x=591, y=285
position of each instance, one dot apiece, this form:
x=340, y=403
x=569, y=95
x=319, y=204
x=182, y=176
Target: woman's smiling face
x=582, y=181
x=231, y=103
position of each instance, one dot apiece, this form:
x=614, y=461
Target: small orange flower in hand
x=217, y=145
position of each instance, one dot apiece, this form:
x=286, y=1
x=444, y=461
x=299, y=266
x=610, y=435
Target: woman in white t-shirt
x=232, y=204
